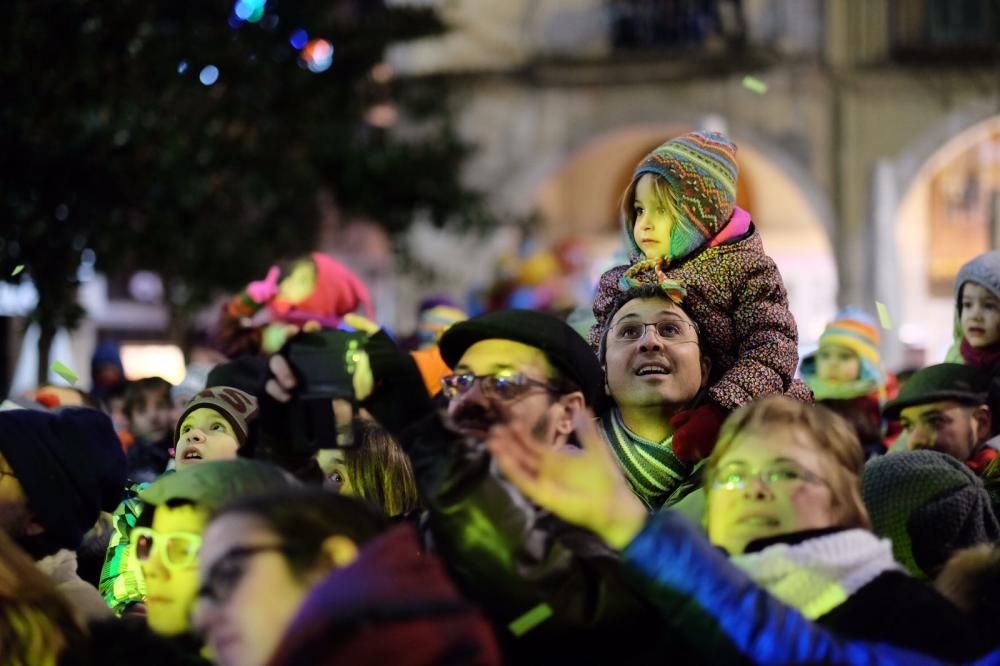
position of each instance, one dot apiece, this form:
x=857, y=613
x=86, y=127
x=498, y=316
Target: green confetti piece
x=530, y=620
x=17, y=270
x=64, y=372
x=883, y=316
x=754, y=85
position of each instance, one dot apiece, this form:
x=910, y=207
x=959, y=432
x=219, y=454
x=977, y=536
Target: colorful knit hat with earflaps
x=701, y=170
x=858, y=331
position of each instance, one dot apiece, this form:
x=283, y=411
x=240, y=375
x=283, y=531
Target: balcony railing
x=944, y=30
x=666, y=25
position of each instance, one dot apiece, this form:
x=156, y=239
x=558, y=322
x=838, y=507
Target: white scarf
x=818, y=574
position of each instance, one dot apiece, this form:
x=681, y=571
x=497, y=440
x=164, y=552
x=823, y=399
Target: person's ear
x=338, y=551
x=571, y=404
x=33, y=528
x=983, y=419
x=706, y=370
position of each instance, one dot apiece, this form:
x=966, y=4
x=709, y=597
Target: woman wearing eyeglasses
x=784, y=500
x=314, y=578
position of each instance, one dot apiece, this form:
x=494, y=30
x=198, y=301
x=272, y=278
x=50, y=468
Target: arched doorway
x=949, y=213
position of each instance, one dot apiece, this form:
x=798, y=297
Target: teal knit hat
x=701, y=170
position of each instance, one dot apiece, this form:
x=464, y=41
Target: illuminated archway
x=948, y=214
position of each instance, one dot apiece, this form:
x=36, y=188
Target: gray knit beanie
x=930, y=505
x=984, y=270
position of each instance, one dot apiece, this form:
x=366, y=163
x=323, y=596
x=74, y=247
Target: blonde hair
x=37, y=624
x=664, y=195
x=831, y=435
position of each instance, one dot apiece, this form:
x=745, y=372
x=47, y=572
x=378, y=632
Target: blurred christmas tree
x=192, y=138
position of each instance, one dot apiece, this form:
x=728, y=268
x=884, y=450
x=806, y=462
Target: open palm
x=582, y=486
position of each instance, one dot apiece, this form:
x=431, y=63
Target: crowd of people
x=674, y=487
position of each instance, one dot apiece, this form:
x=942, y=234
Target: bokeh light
x=382, y=115
x=382, y=72
x=209, y=75
x=250, y=11
x=318, y=55
x=298, y=39
x=182, y=67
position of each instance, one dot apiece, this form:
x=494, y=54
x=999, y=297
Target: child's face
x=151, y=416
x=653, y=221
x=837, y=365
x=980, y=315
x=205, y=435
x=299, y=284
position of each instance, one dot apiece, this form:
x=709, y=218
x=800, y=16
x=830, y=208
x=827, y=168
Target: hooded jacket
x=737, y=297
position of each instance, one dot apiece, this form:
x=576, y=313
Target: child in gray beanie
x=977, y=314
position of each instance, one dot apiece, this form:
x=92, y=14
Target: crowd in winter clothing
x=674, y=488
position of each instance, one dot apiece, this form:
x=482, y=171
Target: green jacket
x=121, y=582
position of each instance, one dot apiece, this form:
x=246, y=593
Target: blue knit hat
x=70, y=465
x=701, y=170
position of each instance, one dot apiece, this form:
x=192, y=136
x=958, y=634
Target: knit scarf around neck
x=818, y=574
x=985, y=358
x=651, y=468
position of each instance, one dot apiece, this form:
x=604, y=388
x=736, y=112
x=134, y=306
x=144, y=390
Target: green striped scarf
x=652, y=469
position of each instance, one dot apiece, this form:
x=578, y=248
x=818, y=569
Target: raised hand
x=582, y=486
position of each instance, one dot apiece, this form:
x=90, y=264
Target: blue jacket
x=734, y=620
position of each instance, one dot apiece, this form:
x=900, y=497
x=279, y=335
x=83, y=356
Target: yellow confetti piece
x=530, y=620
x=64, y=372
x=17, y=270
x=883, y=316
x=754, y=85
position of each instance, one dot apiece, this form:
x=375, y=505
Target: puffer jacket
x=737, y=297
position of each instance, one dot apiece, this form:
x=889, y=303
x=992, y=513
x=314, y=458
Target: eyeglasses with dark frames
x=226, y=573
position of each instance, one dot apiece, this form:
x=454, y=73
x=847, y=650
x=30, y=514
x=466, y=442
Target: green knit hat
x=944, y=381
x=930, y=505
x=215, y=483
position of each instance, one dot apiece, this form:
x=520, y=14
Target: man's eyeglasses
x=778, y=475
x=225, y=575
x=669, y=330
x=504, y=386
x=177, y=550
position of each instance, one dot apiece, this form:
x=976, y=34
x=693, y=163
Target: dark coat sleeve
x=511, y=557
